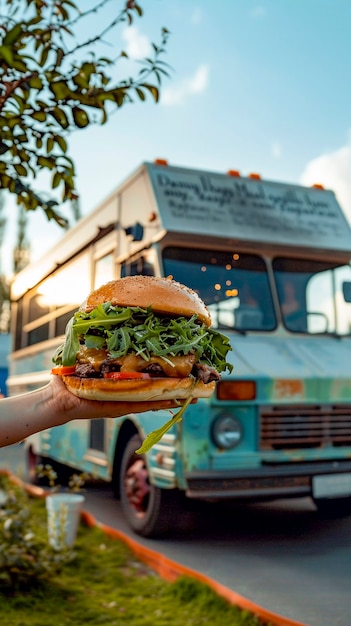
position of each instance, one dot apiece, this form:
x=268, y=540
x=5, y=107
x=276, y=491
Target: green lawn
x=106, y=585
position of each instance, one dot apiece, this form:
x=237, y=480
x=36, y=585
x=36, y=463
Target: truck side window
x=104, y=270
x=307, y=292
x=137, y=266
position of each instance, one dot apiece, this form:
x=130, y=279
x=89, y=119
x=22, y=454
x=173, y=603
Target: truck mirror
x=346, y=290
x=136, y=231
x=317, y=322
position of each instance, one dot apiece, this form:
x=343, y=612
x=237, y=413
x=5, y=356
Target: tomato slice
x=126, y=375
x=64, y=370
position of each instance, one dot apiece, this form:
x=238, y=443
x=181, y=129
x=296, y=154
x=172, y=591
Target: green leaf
x=62, y=12
x=20, y=169
x=56, y=179
x=92, y=341
x=24, y=156
x=3, y=147
x=19, y=65
x=119, y=95
x=35, y=82
x=104, y=117
x=153, y=90
x=71, y=346
x=82, y=78
x=60, y=89
x=53, y=215
x=70, y=4
x=149, y=334
x=50, y=144
x=5, y=181
x=44, y=56
x=60, y=55
x=12, y=185
x=155, y=436
x=80, y=117
x=140, y=93
x=40, y=116
x=12, y=35
x=61, y=142
x=46, y=162
x=14, y=121
x=7, y=54
x=60, y=117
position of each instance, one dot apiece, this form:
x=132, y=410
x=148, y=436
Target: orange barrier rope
x=171, y=570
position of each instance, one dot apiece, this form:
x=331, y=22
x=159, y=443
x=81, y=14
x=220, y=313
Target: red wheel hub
x=137, y=486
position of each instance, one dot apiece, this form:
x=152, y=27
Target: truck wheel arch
x=126, y=431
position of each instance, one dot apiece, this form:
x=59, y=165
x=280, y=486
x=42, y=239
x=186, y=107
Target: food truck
x=271, y=260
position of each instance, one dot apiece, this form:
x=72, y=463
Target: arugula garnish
x=156, y=435
x=139, y=331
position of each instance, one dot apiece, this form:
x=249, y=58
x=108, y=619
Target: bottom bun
x=138, y=390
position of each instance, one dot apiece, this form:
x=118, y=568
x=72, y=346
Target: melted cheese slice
x=174, y=367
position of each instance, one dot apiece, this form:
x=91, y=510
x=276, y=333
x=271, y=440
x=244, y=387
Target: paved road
x=279, y=555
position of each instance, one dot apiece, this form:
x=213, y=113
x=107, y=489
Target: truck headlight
x=227, y=431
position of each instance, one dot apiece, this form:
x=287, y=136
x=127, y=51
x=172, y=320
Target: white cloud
x=333, y=171
x=137, y=45
x=196, y=84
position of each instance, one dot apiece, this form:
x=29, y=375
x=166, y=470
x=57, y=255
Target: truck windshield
x=314, y=296
x=234, y=286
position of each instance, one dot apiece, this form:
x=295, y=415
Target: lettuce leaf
x=124, y=330
x=156, y=435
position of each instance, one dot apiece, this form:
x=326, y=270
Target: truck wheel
x=63, y=472
x=33, y=460
x=333, y=507
x=150, y=511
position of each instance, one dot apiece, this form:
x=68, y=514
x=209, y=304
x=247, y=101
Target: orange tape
x=171, y=570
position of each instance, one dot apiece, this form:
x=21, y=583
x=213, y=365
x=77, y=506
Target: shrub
x=26, y=558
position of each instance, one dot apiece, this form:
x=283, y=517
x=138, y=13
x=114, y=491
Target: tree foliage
x=51, y=85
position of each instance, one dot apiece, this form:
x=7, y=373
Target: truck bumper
x=273, y=481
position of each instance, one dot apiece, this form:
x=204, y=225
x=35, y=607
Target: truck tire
x=32, y=462
x=333, y=507
x=149, y=510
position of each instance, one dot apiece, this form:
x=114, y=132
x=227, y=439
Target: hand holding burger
x=53, y=405
x=142, y=338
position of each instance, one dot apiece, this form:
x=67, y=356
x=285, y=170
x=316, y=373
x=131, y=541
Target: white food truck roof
x=245, y=208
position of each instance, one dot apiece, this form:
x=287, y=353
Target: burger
x=142, y=338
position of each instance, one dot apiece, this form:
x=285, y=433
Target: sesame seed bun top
x=163, y=295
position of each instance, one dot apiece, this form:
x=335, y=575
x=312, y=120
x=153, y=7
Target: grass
x=105, y=585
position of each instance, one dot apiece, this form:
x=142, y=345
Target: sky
x=255, y=85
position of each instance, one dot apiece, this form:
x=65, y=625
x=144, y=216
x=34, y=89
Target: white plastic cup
x=63, y=510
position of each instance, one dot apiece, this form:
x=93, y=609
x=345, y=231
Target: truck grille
x=305, y=426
